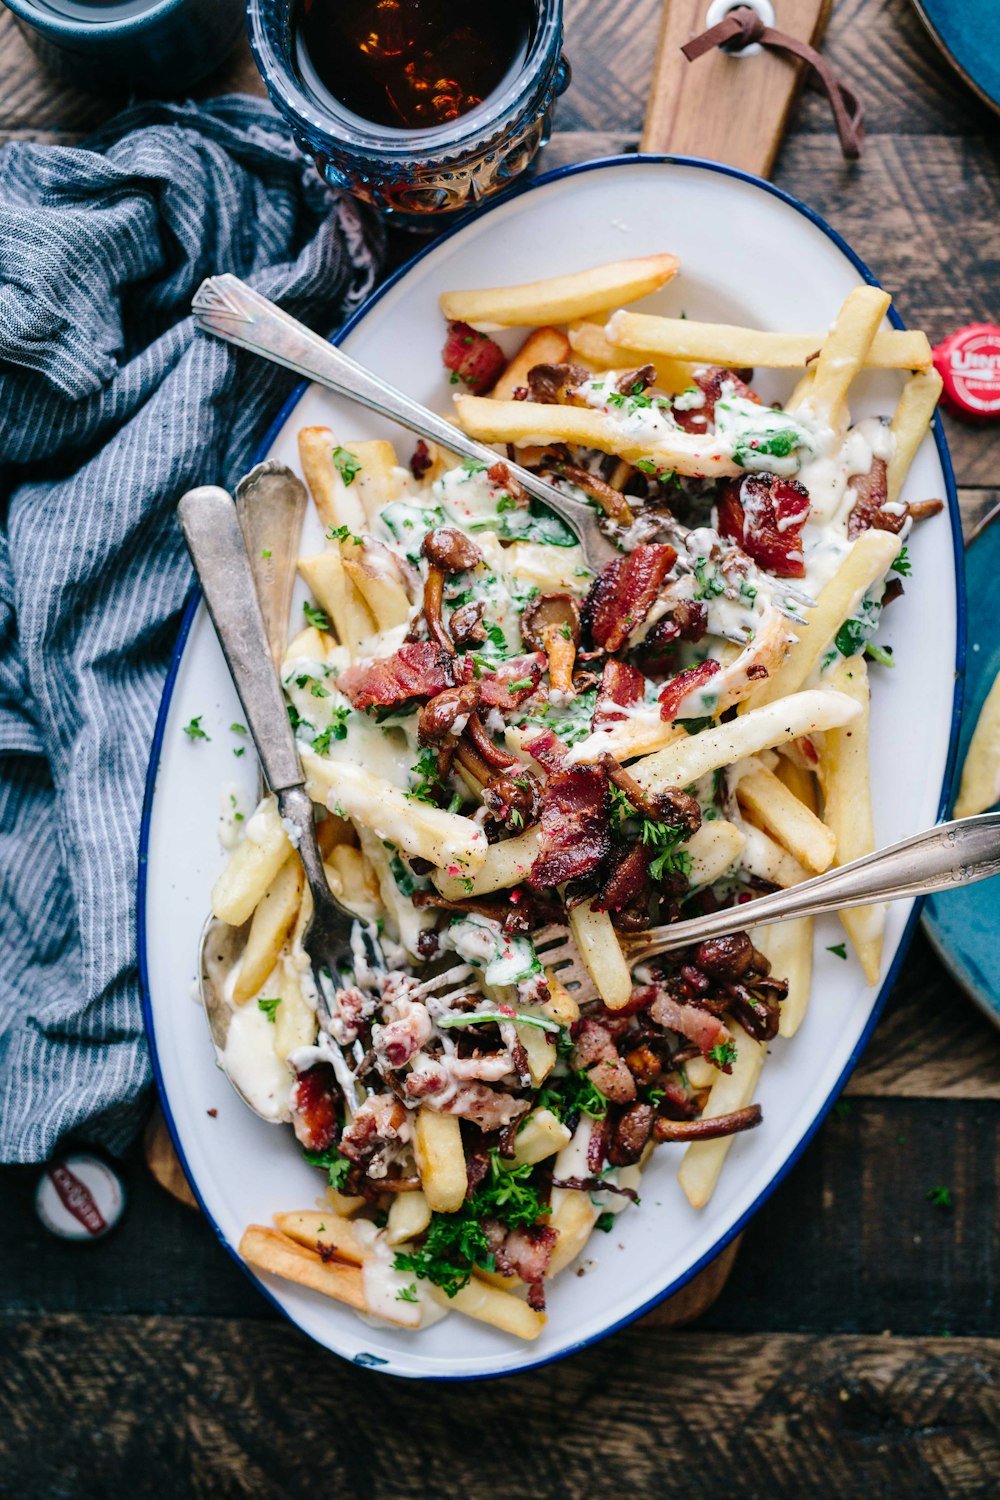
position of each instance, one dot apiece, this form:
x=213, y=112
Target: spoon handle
x=215, y=541
x=231, y=310
x=949, y=854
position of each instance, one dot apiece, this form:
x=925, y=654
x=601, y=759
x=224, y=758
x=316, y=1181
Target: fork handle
x=226, y=307
x=949, y=854
x=215, y=541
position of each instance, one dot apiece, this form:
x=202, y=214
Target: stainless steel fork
x=949, y=854
x=215, y=540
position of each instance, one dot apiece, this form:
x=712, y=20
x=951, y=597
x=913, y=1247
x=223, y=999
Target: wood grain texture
x=728, y=108
x=198, y=1408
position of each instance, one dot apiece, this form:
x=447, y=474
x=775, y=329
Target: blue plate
x=964, y=925
x=968, y=33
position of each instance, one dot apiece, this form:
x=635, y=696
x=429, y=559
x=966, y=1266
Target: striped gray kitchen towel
x=110, y=408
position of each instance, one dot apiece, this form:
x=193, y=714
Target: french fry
x=353, y=881
x=335, y=593
x=448, y=840
x=340, y=1236
x=268, y=1250
x=740, y=348
x=573, y=1219
x=701, y=1073
x=560, y=1006
x=714, y=849
x=344, y=1204
x=768, y=861
x=539, y=1137
x=441, y=1159
x=844, y=352
x=504, y=864
x=488, y=1304
x=378, y=482
x=373, y=570
x=789, y=947
x=590, y=341
x=560, y=299
x=800, y=782
x=524, y=422
x=847, y=808
x=540, y=1052
x=869, y=559
x=598, y=946
x=409, y=1216
x=273, y=920
x=543, y=346
x=295, y=1019
x=339, y=504
x=909, y=427
x=684, y=763
x=980, y=786
x=309, y=645
x=788, y=820
x=703, y=1160
x=533, y=562
x=252, y=866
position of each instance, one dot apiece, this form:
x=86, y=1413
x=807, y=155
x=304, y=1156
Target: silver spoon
x=215, y=540
x=227, y=307
x=271, y=505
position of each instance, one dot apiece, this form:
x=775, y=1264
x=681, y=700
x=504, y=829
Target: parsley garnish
x=882, y=654
x=336, y=729
x=238, y=728
x=269, y=1005
x=194, y=730
x=605, y=1221
x=427, y=787
x=839, y=950
x=571, y=1095
x=723, y=1055
x=521, y=685
x=408, y=1293
x=850, y=638
x=456, y=1243
x=265, y=553
x=710, y=586
x=346, y=464
x=473, y=466
x=315, y=617
x=337, y=1166
x=344, y=534
x=902, y=565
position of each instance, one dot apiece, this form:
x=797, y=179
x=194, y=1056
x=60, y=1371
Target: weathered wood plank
x=849, y=1241
x=204, y=1408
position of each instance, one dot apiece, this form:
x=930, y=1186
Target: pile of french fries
x=795, y=749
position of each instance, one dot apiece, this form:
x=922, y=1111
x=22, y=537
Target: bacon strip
x=574, y=826
x=699, y=1026
x=474, y=358
x=418, y=670
x=765, y=515
x=621, y=687
x=677, y=689
x=548, y=749
x=495, y=687
x=316, y=1107
x=622, y=594
x=710, y=381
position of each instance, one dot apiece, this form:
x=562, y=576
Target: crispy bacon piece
x=699, y=1026
x=677, y=689
x=614, y=1080
x=420, y=459
x=574, y=826
x=474, y=358
x=497, y=688
x=499, y=474
x=708, y=1130
x=628, y=883
x=687, y=620
x=765, y=515
x=710, y=381
x=379, y=1120
x=622, y=594
x=548, y=749
x=524, y=1253
x=592, y=1042
x=631, y=1134
x=316, y=1107
x=621, y=687
x=485, y=1107
x=418, y=670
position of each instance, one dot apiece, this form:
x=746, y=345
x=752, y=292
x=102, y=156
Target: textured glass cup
x=416, y=174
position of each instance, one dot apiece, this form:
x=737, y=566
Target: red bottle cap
x=79, y=1197
x=969, y=364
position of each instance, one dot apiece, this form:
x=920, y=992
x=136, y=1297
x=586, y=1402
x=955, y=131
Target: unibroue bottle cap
x=79, y=1197
x=969, y=364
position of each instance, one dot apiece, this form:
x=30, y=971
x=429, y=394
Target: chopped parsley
x=902, y=565
x=335, y=730
x=605, y=1221
x=521, y=685
x=456, y=1243
x=427, y=786
x=346, y=464
x=269, y=1005
x=337, y=1166
x=723, y=1055
x=194, y=730
x=850, y=638
x=695, y=726
x=881, y=654
x=343, y=534
x=315, y=617
x=710, y=584
x=238, y=728
x=839, y=950
x=570, y=1095
x=408, y=1293
x=778, y=443
x=265, y=553
x=474, y=466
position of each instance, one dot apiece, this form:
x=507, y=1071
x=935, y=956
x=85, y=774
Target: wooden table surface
x=855, y=1348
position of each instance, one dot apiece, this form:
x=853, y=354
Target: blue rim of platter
x=190, y=610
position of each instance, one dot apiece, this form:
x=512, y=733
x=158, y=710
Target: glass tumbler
x=416, y=175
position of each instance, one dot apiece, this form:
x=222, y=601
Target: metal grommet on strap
x=719, y=10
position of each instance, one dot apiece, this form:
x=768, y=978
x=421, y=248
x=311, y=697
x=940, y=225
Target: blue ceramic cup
x=416, y=175
x=147, y=46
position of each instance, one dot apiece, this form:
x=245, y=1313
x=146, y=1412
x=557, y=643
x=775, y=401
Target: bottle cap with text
x=79, y=1197
x=969, y=364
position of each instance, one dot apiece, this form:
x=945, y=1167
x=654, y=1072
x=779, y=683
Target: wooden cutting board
x=726, y=107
